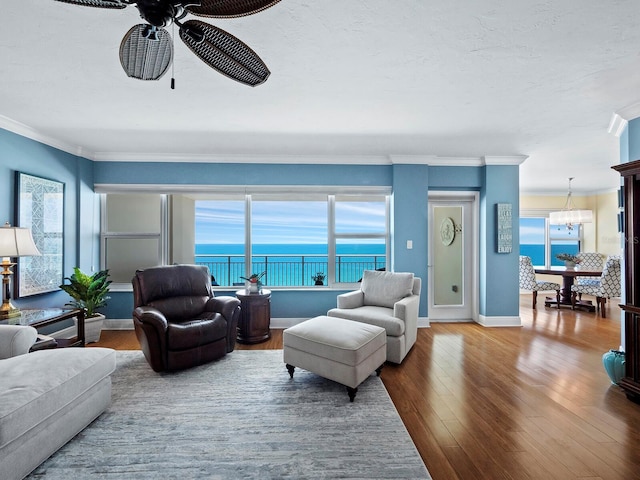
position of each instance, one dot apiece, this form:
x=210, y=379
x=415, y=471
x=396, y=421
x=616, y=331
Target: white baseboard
x=64, y=333
x=499, y=321
x=127, y=323
x=424, y=322
x=117, y=324
x=278, y=323
x=286, y=322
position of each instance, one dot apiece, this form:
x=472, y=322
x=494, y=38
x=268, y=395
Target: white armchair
x=16, y=340
x=390, y=300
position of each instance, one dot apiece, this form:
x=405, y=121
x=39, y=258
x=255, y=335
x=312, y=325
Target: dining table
x=568, y=276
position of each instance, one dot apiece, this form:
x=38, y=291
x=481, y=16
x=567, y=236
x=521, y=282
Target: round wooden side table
x=255, y=316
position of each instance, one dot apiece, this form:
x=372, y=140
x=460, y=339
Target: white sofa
x=46, y=397
x=390, y=300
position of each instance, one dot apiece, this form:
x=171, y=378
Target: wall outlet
x=409, y=244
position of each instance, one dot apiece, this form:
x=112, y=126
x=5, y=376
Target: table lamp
x=14, y=242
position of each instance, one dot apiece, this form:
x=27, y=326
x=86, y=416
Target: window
x=533, y=240
x=293, y=236
x=563, y=240
x=542, y=242
x=219, y=239
x=360, y=236
x=289, y=239
x=132, y=234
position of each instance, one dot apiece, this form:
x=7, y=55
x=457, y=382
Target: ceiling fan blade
x=224, y=52
x=97, y=3
x=146, y=52
x=229, y=8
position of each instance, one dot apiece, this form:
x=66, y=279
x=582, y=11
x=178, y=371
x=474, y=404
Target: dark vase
x=613, y=362
x=319, y=282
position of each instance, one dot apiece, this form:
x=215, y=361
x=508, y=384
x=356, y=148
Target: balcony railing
x=289, y=270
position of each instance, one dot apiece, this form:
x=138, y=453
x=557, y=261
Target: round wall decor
x=447, y=231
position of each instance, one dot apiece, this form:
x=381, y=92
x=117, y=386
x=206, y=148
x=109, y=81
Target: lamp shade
x=17, y=242
x=570, y=217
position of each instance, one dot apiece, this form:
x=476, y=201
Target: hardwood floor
x=509, y=403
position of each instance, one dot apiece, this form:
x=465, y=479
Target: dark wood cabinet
x=255, y=316
x=631, y=226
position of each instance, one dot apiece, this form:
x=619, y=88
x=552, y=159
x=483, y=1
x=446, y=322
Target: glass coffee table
x=39, y=318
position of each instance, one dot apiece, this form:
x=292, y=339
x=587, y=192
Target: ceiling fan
x=146, y=50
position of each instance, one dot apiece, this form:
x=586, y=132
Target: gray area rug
x=240, y=417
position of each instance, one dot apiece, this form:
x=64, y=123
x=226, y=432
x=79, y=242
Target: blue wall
x=18, y=153
x=630, y=142
x=240, y=174
x=498, y=296
x=409, y=222
x=410, y=184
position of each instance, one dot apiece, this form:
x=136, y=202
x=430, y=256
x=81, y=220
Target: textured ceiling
x=351, y=80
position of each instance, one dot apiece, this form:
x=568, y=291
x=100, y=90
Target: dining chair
x=589, y=261
x=527, y=281
x=608, y=286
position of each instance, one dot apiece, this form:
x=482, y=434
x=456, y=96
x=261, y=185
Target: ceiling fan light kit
x=146, y=54
x=146, y=51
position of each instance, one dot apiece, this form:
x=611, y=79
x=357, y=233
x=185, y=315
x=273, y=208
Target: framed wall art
x=504, y=233
x=40, y=207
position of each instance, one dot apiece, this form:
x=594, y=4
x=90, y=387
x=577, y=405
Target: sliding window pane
x=360, y=216
x=126, y=255
x=130, y=213
x=354, y=256
x=219, y=239
x=533, y=239
x=563, y=240
x=289, y=241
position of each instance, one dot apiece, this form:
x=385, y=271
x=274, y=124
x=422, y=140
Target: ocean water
x=289, y=264
x=536, y=252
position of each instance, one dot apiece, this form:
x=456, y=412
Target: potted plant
x=569, y=259
x=89, y=292
x=318, y=278
x=253, y=281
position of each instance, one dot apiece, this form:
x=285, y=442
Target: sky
x=284, y=221
x=532, y=232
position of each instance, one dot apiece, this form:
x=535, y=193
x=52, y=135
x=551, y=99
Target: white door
x=453, y=256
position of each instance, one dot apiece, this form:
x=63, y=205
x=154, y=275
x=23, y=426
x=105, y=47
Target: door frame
x=471, y=268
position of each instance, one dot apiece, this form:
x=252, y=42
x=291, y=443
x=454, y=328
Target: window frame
x=285, y=193
x=548, y=236
x=162, y=235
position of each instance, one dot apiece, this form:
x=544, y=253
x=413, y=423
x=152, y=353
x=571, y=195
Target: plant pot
x=93, y=328
x=614, y=365
x=570, y=265
x=319, y=282
x=253, y=287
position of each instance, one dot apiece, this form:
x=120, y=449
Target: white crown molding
x=563, y=193
x=617, y=125
x=505, y=159
x=31, y=133
x=629, y=112
x=431, y=160
x=620, y=118
x=242, y=158
x=241, y=189
x=434, y=160
x=412, y=159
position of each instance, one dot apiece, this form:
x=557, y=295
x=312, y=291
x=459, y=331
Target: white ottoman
x=341, y=350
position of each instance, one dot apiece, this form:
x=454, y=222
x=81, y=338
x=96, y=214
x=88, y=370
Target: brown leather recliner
x=178, y=321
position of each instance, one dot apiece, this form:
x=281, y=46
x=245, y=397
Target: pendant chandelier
x=569, y=216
